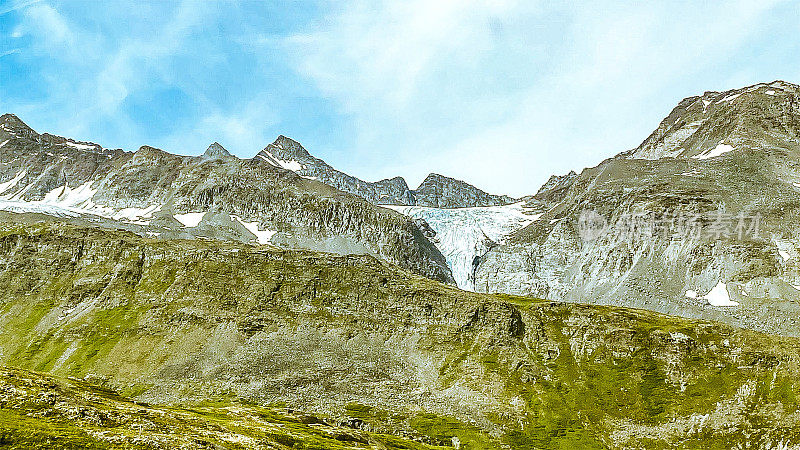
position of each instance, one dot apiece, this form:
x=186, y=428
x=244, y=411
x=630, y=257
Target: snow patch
x=81, y=146
x=719, y=296
x=770, y=92
x=12, y=182
x=138, y=216
x=65, y=201
x=36, y=207
x=671, y=141
x=292, y=165
x=4, y=143
x=71, y=197
x=785, y=255
x=263, y=236
x=19, y=194
x=720, y=149
x=691, y=294
x=189, y=220
x=730, y=97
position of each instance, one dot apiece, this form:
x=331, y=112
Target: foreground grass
x=40, y=411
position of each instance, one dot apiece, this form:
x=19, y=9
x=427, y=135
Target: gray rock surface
x=736, y=152
x=153, y=189
x=436, y=190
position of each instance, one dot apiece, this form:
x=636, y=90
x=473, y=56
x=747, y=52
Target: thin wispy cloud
x=9, y=52
x=16, y=5
x=515, y=91
x=501, y=93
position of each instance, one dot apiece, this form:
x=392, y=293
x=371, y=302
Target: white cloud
x=244, y=129
x=52, y=31
x=388, y=50
x=15, y=5
x=92, y=71
x=479, y=89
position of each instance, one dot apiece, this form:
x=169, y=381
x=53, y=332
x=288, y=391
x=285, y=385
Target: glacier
x=464, y=234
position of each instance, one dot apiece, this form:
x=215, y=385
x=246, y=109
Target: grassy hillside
x=42, y=411
x=181, y=322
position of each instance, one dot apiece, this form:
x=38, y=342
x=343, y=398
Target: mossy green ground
x=182, y=322
x=42, y=411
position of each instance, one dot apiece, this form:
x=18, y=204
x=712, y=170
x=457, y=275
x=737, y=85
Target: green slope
x=42, y=411
x=181, y=322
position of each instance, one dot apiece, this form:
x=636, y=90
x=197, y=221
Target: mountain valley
x=154, y=300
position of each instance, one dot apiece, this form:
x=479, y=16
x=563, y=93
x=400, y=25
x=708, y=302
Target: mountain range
x=735, y=151
x=435, y=191
x=650, y=301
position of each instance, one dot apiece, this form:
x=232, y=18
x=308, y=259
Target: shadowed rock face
x=349, y=336
x=149, y=189
x=436, y=190
x=736, y=151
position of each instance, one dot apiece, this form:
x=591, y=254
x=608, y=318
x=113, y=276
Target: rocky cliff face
x=440, y=191
x=213, y=196
x=435, y=191
x=350, y=336
x=700, y=220
x=554, y=190
x=761, y=116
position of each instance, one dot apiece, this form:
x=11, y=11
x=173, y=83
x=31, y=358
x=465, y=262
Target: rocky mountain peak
x=216, y=150
x=714, y=123
x=555, y=181
x=556, y=187
x=148, y=153
x=288, y=154
x=287, y=148
x=436, y=190
x=13, y=125
x=445, y=192
x=396, y=181
x=433, y=178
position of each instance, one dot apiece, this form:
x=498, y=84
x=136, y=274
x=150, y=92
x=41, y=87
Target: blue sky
x=500, y=93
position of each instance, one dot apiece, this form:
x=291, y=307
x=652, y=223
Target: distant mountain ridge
x=435, y=191
x=216, y=196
